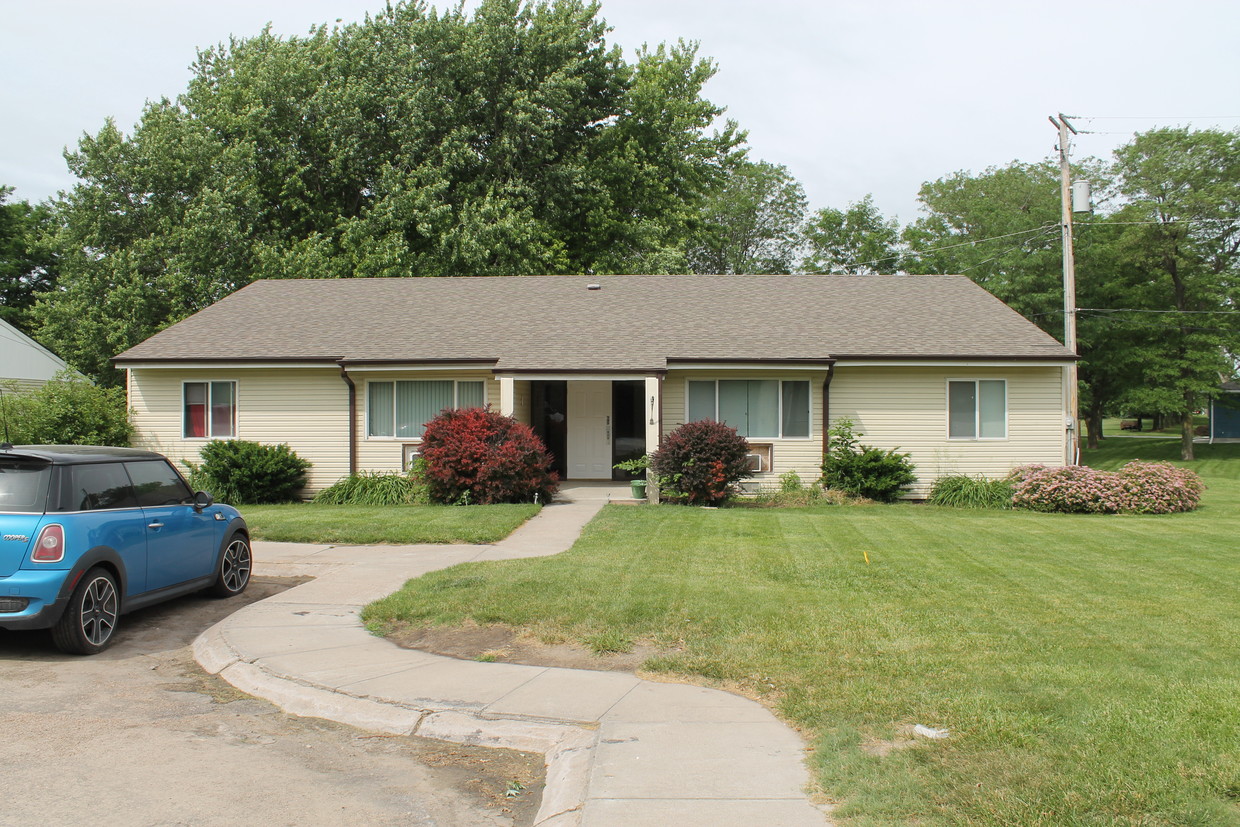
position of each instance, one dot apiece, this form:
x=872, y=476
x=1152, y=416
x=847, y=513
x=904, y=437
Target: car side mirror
x=202, y=500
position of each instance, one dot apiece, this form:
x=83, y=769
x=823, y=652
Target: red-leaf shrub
x=700, y=463
x=1137, y=488
x=478, y=456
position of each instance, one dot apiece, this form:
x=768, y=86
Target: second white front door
x=589, y=430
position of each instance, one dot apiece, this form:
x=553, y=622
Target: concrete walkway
x=619, y=750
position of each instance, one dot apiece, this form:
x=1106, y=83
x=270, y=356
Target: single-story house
x=24, y=363
x=347, y=372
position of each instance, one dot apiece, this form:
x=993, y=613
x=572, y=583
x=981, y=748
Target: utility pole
x=1072, y=416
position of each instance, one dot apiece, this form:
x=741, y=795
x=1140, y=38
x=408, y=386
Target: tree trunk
x=1186, y=437
x=1094, y=427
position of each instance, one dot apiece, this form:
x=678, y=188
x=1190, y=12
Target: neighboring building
x=24, y=363
x=1225, y=413
x=348, y=371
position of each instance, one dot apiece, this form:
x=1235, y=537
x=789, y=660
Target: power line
x=1136, y=310
x=921, y=253
x=1155, y=117
x=1165, y=223
x=1049, y=230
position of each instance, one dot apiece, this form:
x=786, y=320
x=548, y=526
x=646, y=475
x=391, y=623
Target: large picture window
x=402, y=409
x=210, y=410
x=756, y=408
x=977, y=409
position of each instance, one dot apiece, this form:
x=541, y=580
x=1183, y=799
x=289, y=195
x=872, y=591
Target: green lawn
x=310, y=523
x=1088, y=667
x=1111, y=426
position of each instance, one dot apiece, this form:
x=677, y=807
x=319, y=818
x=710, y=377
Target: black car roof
x=74, y=454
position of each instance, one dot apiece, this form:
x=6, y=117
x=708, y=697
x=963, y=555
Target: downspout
x=826, y=409
x=348, y=380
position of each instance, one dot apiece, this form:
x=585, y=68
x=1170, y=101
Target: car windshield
x=23, y=485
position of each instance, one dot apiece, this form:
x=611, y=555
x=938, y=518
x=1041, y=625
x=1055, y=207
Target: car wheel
x=89, y=621
x=234, y=573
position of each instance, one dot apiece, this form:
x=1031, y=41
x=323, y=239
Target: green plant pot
x=638, y=488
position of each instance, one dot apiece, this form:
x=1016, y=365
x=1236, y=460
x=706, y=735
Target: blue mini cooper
x=90, y=533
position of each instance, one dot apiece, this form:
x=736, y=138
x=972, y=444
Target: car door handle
x=155, y=524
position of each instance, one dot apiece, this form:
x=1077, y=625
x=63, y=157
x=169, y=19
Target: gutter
x=348, y=380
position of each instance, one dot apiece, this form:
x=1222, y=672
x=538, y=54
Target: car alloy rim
x=99, y=611
x=236, y=570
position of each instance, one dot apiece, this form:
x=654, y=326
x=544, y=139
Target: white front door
x=589, y=430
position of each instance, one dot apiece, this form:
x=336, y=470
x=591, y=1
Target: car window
x=23, y=485
x=96, y=486
x=157, y=483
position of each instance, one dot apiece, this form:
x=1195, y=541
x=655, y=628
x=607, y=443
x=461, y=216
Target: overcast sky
x=853, y=97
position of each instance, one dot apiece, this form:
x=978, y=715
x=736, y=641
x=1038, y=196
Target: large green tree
x=511, y=140
x=27, y=266
x=858, y=240
x=749, y=222
x=1001, y=229
x=1181, y=222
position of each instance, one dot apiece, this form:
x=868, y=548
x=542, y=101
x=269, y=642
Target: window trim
x=456, y=399
x=809, y=407
x=977, y=410
x=210, y=435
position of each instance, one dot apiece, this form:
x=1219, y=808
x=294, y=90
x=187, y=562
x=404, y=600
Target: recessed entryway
x=588, y=425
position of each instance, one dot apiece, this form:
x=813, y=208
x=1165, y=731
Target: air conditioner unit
x=410, y=453
x=754, y=463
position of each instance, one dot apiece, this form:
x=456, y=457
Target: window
x=96, y=486
x=977, y=409
x=210, y=410
x=23, y=486
x=156, y=483
x=762, y=408
x=402, y=409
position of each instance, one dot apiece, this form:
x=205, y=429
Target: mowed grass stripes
x=1087, y=667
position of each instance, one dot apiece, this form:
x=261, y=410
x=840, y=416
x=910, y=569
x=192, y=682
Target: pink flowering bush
x=1137, y=488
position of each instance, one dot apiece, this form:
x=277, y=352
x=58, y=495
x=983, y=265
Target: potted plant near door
x=636, y=466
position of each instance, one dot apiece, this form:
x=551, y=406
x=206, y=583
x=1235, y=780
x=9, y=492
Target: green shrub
x=68, y=410
x=700, y=463
x=790, y=481
x=374, y=488
x=960, y=491
x=863, y=471
x=236, y=471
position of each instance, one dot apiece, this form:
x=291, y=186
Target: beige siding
x=387, y=453
x=906, y=408
x=521, y=400
x=305, y=407
x=801, y=455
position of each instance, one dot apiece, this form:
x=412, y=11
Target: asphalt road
x=140, y=735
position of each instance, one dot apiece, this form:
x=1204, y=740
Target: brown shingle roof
x=634, y=323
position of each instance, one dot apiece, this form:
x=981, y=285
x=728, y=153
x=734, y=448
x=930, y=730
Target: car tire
x=89, y=622
x=234, y=571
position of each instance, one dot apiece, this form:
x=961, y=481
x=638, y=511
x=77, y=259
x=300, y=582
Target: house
x=24, y=363
x=348, y=371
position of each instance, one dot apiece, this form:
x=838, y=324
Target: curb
x=568, y=751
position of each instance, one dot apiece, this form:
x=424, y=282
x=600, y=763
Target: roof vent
x=594, y=287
